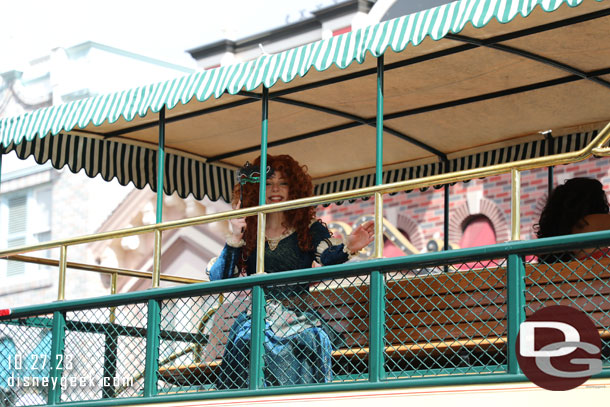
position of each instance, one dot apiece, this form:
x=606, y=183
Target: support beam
x=258, y=293
x=415, y=111
x=159, y=215
x=377, y=291
x=173, y=119
x=529, y=55
x=161, y=165
x=361, y=120
x=435, y=55
x=455, y=50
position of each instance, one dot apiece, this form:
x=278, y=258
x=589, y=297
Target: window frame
x=39, y=275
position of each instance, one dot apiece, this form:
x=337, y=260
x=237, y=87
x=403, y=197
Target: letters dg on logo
x=559, y=348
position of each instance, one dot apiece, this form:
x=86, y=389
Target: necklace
x=275, y=241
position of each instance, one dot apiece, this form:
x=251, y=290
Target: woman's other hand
x=238, y=226
x=361, y=237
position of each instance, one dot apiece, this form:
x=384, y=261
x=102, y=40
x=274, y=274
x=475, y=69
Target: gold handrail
x=595, y=147
x=601, y=151
x=102, y=269
x=515, y=205
x=63, y=260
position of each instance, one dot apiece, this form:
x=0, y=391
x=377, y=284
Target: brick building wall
x=420, y=213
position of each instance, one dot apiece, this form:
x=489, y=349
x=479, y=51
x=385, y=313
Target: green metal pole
x=258, y=295
x=262, y=197
x=57, y=356
x=159, y=218
x=515, y=307
x=446, y=219
x=446, y=224
x=379, y=124
x=152, y=348
x=161, y=165
x=377, y=295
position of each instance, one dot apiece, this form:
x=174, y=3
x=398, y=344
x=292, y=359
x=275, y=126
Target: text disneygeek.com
x=32, y=371
x=66, y=382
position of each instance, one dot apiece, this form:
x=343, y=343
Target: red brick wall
x=489, y=196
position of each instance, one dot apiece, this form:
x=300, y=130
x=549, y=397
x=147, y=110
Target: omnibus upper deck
x=457, y=92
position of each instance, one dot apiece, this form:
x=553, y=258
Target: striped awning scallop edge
x=340, y=51
x=537, y=148
x=185, y=176
x=129, y=163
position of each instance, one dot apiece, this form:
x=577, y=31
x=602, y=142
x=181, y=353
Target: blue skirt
x=297, y=349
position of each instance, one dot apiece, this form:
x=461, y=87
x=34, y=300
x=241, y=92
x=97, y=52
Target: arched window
x=477, y=231
x=390, y=249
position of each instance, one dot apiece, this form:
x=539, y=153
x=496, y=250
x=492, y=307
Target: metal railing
x=432, y=328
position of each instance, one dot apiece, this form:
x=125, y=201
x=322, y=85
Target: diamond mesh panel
x=446, y=320
x=319, y=333
x=581, y=282
x=25, y=349
x=104, y=358
x=194, y=331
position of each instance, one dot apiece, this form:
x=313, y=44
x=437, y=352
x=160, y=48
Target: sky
x=155, y=28
x=30, y=29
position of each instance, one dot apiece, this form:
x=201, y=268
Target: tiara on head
x=251, y=173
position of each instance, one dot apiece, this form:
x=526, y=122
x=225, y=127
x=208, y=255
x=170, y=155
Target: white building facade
x=40, y=203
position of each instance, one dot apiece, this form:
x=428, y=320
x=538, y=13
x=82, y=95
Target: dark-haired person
x=579, y=205
x=298, y=342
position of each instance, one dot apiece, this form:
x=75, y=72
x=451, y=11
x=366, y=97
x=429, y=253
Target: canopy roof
x=466, y=83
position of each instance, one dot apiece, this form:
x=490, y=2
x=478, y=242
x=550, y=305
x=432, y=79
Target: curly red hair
x=300, y=186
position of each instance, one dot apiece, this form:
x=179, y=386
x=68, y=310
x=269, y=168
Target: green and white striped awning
x=461, y=79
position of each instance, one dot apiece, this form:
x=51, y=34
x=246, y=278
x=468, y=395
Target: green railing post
x=110, y=363
x=257, y=335
x=446, y=224
x=258, y=294
x=57, y=356
x=152, y=348
x=376, y=328
x=515, y=307
x=377, y=295
x=446, y=218
x=111, y=343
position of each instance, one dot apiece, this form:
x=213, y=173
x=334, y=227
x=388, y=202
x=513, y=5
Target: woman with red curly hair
x=298, y=342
